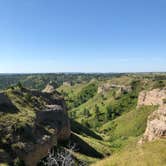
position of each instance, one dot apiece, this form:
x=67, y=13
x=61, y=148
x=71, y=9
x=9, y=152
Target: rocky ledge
x=153, y=97
x=31, y=123
x=156, y=124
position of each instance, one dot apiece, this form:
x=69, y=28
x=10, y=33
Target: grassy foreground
x=149, y=154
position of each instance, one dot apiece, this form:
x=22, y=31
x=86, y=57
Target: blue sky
x=82, y=36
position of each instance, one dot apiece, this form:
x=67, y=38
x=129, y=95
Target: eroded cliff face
x=36, y=122
x=107, y=87
x=33, y=153
x=54, y=116
x=48, y=89
x=55, y=119
x=156, y=124
x=153, y=97
x=58, y=126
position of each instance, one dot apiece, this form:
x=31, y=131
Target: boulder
x=48, y=89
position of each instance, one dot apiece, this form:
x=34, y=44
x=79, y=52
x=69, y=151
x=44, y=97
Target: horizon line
x=137, y=72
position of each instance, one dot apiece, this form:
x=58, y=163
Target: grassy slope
x=101, y=146
x=132, y=123
x=20, y=120
x=71, y=90
x=149, y=154
x=121, y=132
x=90, y=105
x=25, y=114
x=90, y=143
x=125, y=102
x=127, y=128
x=91, y=149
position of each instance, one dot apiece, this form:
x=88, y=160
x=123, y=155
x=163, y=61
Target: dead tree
x=62, y=157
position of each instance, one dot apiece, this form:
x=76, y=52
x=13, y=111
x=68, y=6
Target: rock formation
x=104, y=88
x=55, y=119
x=48, y=89
x=107, y=86
x=29, y=134
x=33, y=153
x=156, y=124
x=67, y=83
x=153, y=97
x=58, y=122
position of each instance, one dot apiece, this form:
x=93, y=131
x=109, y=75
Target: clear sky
x=82, y=35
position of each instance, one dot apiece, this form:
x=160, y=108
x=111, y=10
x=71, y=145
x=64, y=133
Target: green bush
x=83, y=96
x=159, y=84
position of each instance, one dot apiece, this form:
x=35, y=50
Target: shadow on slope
x=6, y=106
x=85, y=148
x=79, y=129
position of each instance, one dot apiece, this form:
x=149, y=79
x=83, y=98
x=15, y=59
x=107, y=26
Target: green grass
x=90, y=149
x=101, y=146
x=132, y=123
x=79, y=93
x=123, y=129
x=119, y=133
x=125, y=103
x=19, y=123
x=149, y=154
x=86, y=159
x=98, y=135
x=127, y=128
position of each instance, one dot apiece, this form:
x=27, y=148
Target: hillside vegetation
x=111, y=112
x=152, y=154
x=105, y=119
x=28, y=126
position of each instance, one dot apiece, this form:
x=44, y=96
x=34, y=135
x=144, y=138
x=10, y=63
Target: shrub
x=164, y=101
x=19, y=85
x=159, y=84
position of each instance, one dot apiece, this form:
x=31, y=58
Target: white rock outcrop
x=153, y=97
x=156, y=124
x=107, y=86
x=48, y=89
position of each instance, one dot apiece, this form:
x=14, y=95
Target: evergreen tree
x=97, y=111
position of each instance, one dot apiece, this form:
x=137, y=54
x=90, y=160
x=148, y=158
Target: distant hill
x=39, y=81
